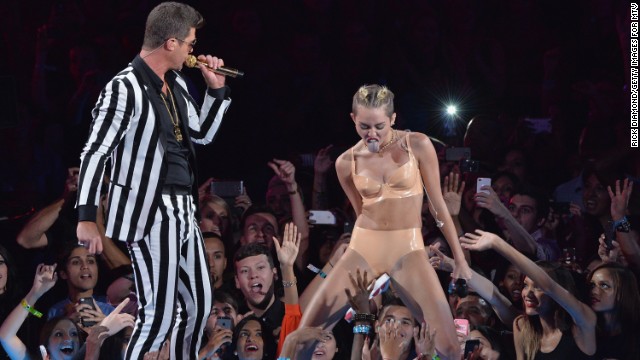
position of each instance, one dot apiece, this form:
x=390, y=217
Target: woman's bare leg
x=330, y=302
x=418, y=286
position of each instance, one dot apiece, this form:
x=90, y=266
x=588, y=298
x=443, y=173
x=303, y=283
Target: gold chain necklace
x=176, y=122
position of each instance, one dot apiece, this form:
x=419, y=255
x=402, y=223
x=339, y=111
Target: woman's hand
x=606, y=254
x=359, y=300
x=620, y=199
x=44, y=280
x=89, y=314
x=452, y=191
x=117, y=320
x=243, y=200
x=424, y=340
x=479, y=241
x=288, y=251
x=204, y=189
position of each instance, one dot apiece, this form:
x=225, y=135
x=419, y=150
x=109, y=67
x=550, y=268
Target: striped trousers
x=172, y=282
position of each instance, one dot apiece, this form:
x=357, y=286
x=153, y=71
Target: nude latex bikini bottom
x=383, y=249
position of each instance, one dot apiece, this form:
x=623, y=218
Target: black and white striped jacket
x=126, y=131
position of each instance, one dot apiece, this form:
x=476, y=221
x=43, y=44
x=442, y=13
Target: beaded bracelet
x=361, y=329
x=30, y=308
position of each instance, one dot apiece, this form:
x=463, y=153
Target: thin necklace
x=393, y=139
x=175, y=121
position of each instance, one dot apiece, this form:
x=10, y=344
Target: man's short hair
x=170, y=19
x=252, y=249
x=256, y=209
x=225, y=298
x=542, y=201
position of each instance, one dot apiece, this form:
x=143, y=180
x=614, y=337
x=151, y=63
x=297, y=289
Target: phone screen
x=482, y=182
x=469, y=346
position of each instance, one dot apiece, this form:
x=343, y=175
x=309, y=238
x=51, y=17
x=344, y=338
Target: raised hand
x=424, y=340
x=284, y=170
x=479, y=241
x=243, y=200
x=606, y=254
x=359, y=300
x=439, y=260
x=288, y=251
x=117, y=320
x=452, y=191
x=44, y=280
x=204, y=189
x=620, y=199
x=490, y=201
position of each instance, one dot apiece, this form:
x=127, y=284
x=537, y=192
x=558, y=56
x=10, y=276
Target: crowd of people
x=415, y=261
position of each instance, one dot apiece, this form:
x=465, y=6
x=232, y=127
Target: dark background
x=503, y=59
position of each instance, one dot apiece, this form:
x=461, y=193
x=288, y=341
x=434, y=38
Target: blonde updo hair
x=373, y=96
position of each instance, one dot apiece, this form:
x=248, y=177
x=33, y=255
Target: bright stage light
x=451, y=110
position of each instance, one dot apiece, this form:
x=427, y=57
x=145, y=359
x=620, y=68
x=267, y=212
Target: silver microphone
x=193, y=62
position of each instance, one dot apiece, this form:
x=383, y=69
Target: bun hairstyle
x=373, y=96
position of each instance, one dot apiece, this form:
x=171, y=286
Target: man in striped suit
x=145, y=124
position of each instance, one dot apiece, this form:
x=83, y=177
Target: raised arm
x=44, y=280
x=504, y=309
x=583, y=317
x=628, y=239
x=428, y=164
x=286, y=172
x=33, y=234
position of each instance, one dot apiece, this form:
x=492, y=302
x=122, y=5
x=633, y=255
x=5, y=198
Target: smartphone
x=609, y=234
x=482, y=182
x=462, y=326
x=224, y=322
x=227, y=189
x=469, y=166
x=322, y=217
x=469, y=346
x=457, y=153
x=87, y=301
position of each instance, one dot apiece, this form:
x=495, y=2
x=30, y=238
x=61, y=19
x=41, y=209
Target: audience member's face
x=215, y=218
x=81, y=271
x=523, y=209
x=250, y=344
x=603, y=291
x=217, y=261
x=503, y=186
x=254, y=277
x=259, y=228
x=401, y=316
x=325, y=350
x=595, y=197
x=474, y=309
x=278, y=200
x=63, y=341
x=487, y=352
x=512, y=283
x=221, y=309
x=4, y=273
x=535, y=301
